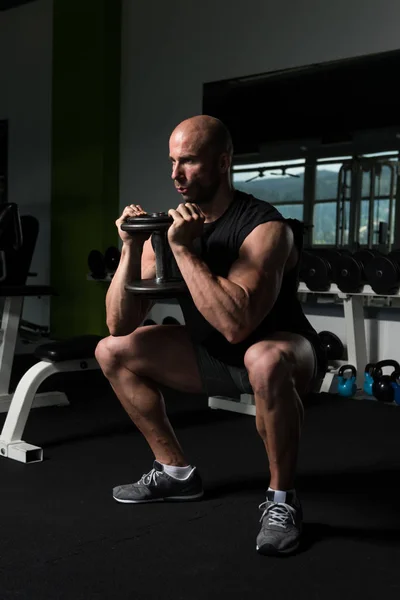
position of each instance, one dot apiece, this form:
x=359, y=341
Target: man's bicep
x=262, y=256
x=259, y=271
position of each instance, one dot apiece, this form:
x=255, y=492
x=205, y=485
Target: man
x=245, y=331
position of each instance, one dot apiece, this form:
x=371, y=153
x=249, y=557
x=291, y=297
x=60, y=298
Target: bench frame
x=25, y=397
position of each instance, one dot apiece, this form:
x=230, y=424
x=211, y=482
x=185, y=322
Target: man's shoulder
x=251, y=204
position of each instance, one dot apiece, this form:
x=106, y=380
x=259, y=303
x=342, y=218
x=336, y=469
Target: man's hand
x=187, y=226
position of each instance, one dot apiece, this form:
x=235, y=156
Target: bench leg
x=245, y=405
x=11, y=444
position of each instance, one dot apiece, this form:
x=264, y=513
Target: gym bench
x=76, y=354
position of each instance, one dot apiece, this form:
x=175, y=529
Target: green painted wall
x=85, y=158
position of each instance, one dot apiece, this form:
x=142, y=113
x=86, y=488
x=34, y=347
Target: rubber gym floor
x=64, y=537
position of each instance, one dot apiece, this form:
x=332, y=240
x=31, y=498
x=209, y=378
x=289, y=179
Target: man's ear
x=224, y=163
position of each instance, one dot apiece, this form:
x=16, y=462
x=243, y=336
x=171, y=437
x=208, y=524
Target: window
x=280, y=184
x=348, y=200
x=325, y=214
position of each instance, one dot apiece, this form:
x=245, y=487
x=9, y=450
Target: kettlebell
x=347, y=385
x=382, y=387
x=368, y=379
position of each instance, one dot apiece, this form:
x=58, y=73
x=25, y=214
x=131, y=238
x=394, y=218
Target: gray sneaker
x=281, y=525
x=157, y=486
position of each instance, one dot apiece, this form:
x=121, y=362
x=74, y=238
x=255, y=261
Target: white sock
x=280, y=496
x=177, y=472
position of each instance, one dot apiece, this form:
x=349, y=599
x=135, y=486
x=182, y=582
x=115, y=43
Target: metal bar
x=160, y=247
x=338, y=202
x=355, y=199
x=320, y=162
x=370, y=240
x=309, y=188
x=355, y=335
x=9, y=326
x=391, y=201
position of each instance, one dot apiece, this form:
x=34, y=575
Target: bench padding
x=75, y=349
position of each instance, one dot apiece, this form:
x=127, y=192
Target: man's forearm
x=222, y=303
x=125, y=311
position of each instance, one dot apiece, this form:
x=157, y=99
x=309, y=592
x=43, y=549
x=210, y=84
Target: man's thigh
x=162, y=353
x=167, y=355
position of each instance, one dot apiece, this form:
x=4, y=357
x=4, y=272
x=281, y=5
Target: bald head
x=205, y=134
x=200, y=149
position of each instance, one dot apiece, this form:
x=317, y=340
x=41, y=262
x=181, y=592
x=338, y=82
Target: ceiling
x=7, y=4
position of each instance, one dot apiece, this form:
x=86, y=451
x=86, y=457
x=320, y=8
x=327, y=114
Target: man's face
x=196, y=170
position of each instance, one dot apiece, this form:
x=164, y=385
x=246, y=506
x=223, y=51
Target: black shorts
x=221, y=379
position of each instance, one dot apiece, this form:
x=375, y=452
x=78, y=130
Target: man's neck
x=219, y=205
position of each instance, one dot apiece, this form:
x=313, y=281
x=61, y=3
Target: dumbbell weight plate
x=350, y=275
x=383, y=275
x=315, y=272
x=112, y=257
x=151, y=288
x=144, y=223
x=96, y=264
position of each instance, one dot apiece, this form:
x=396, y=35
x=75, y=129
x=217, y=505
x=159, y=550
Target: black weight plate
x=332, y=256
x=349, y=275
x=395, y=255
x=96, y=264
x=151, y=288
x=366, y=255
x=153, y=222
x=112, y=257
x=383, y=276
x=332, y=345
x=316, y=273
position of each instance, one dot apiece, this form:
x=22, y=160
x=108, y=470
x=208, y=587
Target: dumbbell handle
x=160, y=242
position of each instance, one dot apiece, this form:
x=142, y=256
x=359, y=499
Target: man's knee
x=112, y=353
x=108, y=353
x=268, y=363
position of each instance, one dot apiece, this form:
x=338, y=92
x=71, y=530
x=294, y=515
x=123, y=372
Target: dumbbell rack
x=353, y=305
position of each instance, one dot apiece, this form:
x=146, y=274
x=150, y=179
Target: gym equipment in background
x=96, y=264
x=76, y=354
x=383, y=273
x=347, y=384
x=368, y=379
x=170, y=321
x=351, y=270
x=384, y=387
x=332, y=344
x=112, y=256
x=100, y=265
x=165, y=285
x=149, y=322
x=11, y=236
x=318, y=268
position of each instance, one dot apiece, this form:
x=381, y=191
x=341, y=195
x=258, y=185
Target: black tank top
x=219, y=248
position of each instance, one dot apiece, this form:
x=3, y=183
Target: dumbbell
x=351, y=270
x=112, y=256
x=96, y=264
x=170, y=321
x=383, y=273
x=165, y=285
x=319, y=267
x=332, y=345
